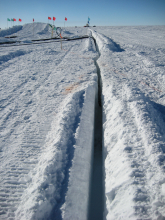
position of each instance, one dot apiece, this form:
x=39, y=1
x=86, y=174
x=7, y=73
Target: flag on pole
x=54, y=20
x=65, y=20
x=49, y=18
x=20, y=19
x=11, y=21
x=88, y=20
x=7, y=22
x=14, y=19
x=33, y=27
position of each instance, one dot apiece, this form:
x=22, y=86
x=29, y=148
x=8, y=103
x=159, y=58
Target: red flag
x=20, y=19
x=66, y=19
x=14, y=19
x=49, y=18
x=33, y=19
x=54, y=18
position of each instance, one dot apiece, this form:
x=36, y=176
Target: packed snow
x=48, y=100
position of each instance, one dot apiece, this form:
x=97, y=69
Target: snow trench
x=84, y=200
x=96, y=204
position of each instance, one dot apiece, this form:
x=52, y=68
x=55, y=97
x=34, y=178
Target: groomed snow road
x=54, y=104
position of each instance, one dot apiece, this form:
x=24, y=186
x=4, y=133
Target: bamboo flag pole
x=52, y=32
x=53, y=25
x=49, y=18
x=7, y=22
x=33, y=27
x=14, y=20
x=61, y=41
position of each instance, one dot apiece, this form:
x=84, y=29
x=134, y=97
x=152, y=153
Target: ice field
x=82, y=128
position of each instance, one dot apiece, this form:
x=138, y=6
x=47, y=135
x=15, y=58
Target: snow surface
x=132, y=64
x=47, y=105
x=47, y=102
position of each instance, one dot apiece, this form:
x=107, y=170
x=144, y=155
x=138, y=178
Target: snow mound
x=46, y=29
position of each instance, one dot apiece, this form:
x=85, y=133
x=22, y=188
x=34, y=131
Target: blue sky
x=101, y=12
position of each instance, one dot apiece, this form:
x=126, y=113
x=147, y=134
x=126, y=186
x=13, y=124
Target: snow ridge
x=106, y=44
x=10, y=31
x=12, y=55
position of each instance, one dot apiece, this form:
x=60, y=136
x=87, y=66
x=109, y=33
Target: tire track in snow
x=17, y=90
x=136, y=152
x=10, y=58
x=12, y=55
x=132, y=170
x=151, y=129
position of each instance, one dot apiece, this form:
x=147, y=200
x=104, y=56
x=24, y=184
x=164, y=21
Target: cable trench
x=96, y=203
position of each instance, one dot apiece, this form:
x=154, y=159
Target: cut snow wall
x=77, y=197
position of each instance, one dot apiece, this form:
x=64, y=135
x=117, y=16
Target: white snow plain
x=47, y=102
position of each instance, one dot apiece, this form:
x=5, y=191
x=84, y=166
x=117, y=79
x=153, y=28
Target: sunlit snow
x=48, y=99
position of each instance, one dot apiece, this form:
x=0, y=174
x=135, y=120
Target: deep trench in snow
x=96, y=189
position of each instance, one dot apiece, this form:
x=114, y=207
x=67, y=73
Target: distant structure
x=87, y=24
